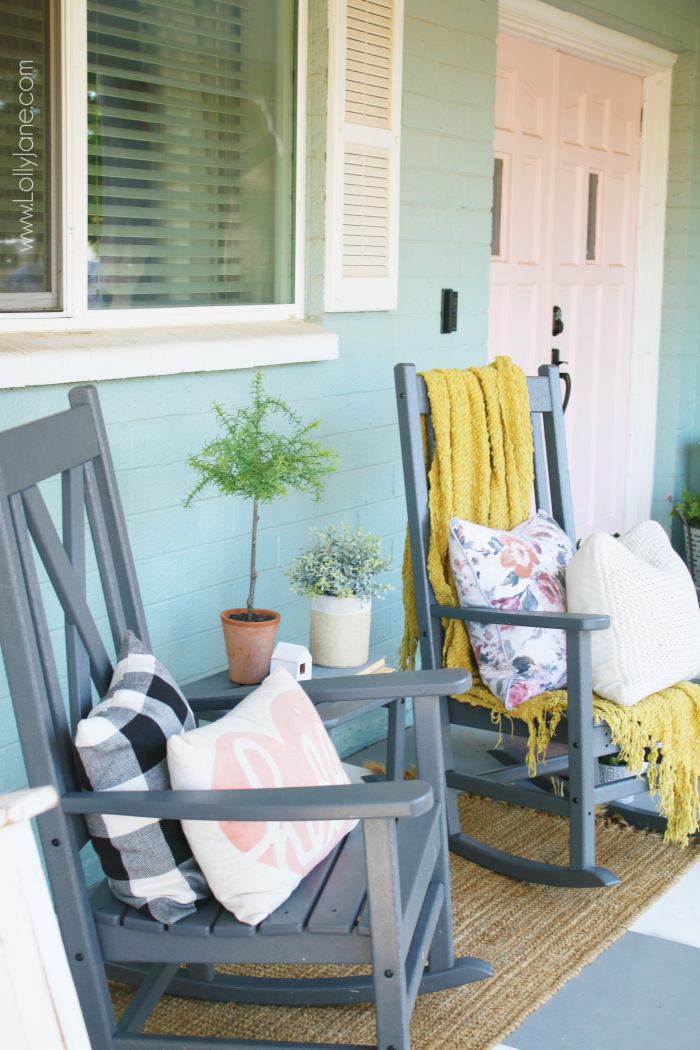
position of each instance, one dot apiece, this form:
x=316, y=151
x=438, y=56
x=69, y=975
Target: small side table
x=215, y=695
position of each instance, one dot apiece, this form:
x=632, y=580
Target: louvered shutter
x=363, y=154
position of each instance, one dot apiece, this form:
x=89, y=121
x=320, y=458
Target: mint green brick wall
x=192, y=565
x=678, y=426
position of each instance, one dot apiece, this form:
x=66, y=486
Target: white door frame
x=543, y=24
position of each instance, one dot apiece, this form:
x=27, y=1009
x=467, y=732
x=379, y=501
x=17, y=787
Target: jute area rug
x=536, y=937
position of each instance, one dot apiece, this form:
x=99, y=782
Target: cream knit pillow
x=641, y=583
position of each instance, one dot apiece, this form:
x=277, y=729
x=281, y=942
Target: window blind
x=190, y=146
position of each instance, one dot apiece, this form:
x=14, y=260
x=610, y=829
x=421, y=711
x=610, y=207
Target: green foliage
x=342, y=565
x=612, y=760
x=250, y=460
x=688, y=508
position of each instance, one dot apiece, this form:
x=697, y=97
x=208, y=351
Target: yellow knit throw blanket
x=482, y=471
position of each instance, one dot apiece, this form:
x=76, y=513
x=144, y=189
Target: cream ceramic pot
x=340, y=631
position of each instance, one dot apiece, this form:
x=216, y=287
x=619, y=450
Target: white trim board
x=543, y=24
x=46, y=358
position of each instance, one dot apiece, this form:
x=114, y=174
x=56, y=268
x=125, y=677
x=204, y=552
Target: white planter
x=608, y=774
x=340, y=631
x=691, y=537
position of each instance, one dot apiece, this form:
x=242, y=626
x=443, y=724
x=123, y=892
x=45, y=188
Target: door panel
x=597, y=343
x=524, y=114
x=615, y=231
x=567, y=131
x=569, y=228
x=527, y=205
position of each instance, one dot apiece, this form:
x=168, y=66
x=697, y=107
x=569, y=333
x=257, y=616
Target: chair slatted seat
x=586, y=741
x=330, y=902
x=381, y=898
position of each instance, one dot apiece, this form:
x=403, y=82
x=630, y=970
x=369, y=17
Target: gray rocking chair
x=382, y=898
x=578, y=769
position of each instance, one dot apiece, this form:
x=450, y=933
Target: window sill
x=47, y=358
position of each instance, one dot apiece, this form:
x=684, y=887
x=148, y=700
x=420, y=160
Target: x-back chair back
x=382, y=897
x=71, y=444
x=586, y=742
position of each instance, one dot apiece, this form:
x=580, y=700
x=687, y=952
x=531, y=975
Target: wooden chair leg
x=581, y=756
x=431, y=765
x=201, y=971
x=57, y=834
x=396, y=740
x=451, y=806
x=581, y=870
x=390, y=988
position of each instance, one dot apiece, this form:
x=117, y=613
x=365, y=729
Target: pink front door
x=565, y=203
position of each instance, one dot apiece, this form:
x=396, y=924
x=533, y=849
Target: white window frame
x=74, y=193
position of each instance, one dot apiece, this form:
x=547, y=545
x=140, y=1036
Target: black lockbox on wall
x=448, y=318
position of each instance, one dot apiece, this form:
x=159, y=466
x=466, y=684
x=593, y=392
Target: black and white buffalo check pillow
x=122, y=746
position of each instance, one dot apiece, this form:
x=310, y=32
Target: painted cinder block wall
x=192, y=564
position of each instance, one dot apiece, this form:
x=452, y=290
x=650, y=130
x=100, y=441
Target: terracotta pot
x=249, y=645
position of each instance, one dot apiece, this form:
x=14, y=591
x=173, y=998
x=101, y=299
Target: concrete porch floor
x=644, y=988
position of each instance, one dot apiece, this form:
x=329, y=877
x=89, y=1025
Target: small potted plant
x=339, y=573
x=613, y=768
x=249, y=459
x=687, y=511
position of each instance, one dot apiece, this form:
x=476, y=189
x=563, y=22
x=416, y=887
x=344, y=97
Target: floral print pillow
x=522, y=569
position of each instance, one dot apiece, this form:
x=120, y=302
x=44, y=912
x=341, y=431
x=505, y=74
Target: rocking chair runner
x=586, y=740
x=382, y=897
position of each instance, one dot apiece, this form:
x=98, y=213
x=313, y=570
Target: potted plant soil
x=339, y=573
x=249, y=459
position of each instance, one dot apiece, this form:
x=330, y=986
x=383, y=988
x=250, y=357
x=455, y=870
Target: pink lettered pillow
x=521, y=569
x=273, y=738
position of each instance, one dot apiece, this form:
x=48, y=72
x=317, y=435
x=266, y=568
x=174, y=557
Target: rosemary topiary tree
x=251, y=460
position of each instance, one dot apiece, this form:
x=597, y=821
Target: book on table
x=375, y=664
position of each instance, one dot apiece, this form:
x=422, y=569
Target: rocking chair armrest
x=395, y=686
x=563, y=621
x=356, y=688
x=339, y=802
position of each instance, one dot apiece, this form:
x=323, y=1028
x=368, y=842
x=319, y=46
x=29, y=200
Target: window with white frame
x=179, y=156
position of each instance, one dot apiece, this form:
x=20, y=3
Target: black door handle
x=557, y=321
x=562, y=375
